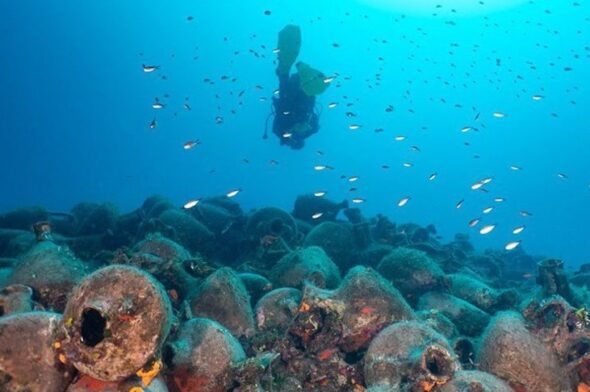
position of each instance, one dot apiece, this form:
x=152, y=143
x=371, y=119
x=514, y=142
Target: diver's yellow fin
x=311, y=80
x=288, y=46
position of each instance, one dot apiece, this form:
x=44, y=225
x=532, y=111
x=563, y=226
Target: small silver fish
x=157, y=105
x=403, y=201
x=317, y=215
x=474, y=222
x=190, y=204
x=476, y=185
x=321, y=167
x=512, y=245
x=233, y=193
x=191, y=144
x=518, y=230
x=487, y=229
x=150, y=68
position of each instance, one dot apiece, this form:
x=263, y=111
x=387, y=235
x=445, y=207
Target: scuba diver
x=295, y=118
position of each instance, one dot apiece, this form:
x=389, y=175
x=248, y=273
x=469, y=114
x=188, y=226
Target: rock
x=361, y=228
x=223, y=297
x=256, y=285
x=370, y=303
x=412, y=272
x=162, y=247
x=332, y=328
x=303, y=227
x=291, y=384
x=154, y=206
x=169, y=262
x=277, y=309
x=16, y=298
x=311, y=264
x=214, y=216
x=440, y=254
x=335, y=239
x=4, y=275
x=417, y=234
x=272, y=221
x=228, y=204
x=6, y=266
x=43, y=231
x=124, y=232
x=93, y=218
x=439, y=322
x=485, y=265
x=408, y=355
x=373, y=254
x=382, y=388
x=465, y=347
x=27, y=359
x=115, y=321
x=88, y=384
x=468, y=319
x=13, y=243
x=565, y=330
x=480, y=294
x=188, y=231
x=581, y=279
x=554, y=281
x=51, y=271
x=272, y=233
x=174, y=274
x=515, y=264
x=385, y=232
x=202, y=356
x=510, y=352
x=461, y=242
x=23, y=218
x=149, y=214
x=474, y=381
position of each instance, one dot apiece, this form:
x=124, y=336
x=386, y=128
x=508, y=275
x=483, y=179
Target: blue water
x=75, y=106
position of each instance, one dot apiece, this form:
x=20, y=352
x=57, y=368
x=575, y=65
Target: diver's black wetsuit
x=294, y=107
